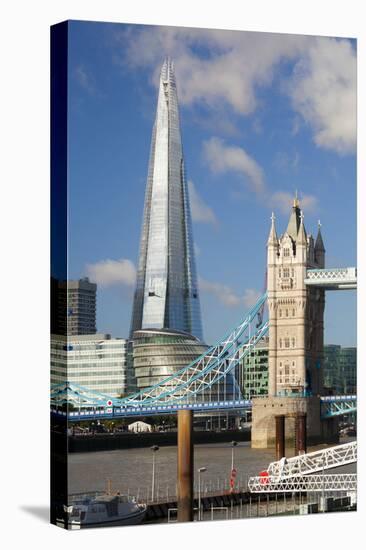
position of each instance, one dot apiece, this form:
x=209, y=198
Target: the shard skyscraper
x=166, y=294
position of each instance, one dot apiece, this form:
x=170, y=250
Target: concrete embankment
x=110, y=441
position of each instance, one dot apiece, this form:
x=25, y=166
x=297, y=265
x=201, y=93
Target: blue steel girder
x=192, y=384
x=70, y=393
x=207, y=370
x=338, y=405
x=190, y=387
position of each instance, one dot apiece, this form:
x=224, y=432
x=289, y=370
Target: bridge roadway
x=122, y=412
x=331, y=406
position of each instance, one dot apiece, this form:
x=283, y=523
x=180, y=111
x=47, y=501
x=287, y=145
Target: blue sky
x=261, y=116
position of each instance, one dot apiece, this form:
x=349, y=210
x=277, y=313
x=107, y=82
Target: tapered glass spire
x=166, y=294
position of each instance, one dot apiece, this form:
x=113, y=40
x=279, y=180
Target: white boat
x=104, y=510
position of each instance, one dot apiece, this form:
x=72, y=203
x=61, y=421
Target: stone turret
x=272, y=237
x=295, y=220
x=319, y=249
x=296, y=314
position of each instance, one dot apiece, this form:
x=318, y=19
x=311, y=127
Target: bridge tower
x=296, y=328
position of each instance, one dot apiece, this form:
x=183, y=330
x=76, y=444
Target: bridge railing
x=311, y=483
x=316, y=461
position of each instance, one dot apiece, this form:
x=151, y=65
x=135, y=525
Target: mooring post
x=185, y=465
x=280, y=436
x=301, y=433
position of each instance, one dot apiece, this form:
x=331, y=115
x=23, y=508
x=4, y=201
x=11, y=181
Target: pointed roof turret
x=272, y=238
x=319, y=245
x=294, y=221
x=301, y=236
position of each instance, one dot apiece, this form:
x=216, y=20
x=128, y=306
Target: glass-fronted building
x=166, y=294
x=252, y=373
x=340, y=369
x=73, y=307
x=158, y=354
x=94, y=361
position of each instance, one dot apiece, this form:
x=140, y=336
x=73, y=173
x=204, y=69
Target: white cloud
x=229, y=158
x=250, y=297
x=283, y=201
x=85, y=79
x=227, y=296
x=285, y=161
x=296, y=125
x=197, y=250
x=201, y=212
x=323, y=90
x=112, y=272
x=223, y=71
x=222, y=158
x=237, y=63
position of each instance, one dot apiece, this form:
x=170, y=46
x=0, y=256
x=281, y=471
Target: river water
x=130, y=470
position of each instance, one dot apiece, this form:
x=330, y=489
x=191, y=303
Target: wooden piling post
x=185, y=465
x=280, y=436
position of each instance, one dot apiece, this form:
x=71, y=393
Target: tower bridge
x=84, y=405
x=296, y=283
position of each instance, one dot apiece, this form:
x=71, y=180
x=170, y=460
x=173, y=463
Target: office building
x=252, y=373
x=96, y=362
x=340, y=370
x=73, y=307
x=166, y=294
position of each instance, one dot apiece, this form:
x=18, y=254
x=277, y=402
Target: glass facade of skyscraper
x=252, y=372
x=166, y=294
x=94, y=361
x=158, y=354
x=340, y=369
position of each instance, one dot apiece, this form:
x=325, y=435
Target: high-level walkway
x=343, y=278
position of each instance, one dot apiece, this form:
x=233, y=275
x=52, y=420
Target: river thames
x=130, y=470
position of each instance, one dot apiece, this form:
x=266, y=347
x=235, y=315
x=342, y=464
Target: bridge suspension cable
x=207, y=370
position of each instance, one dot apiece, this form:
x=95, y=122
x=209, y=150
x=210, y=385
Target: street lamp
x=154, y=448
x=200, y=471
x=323, y=495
